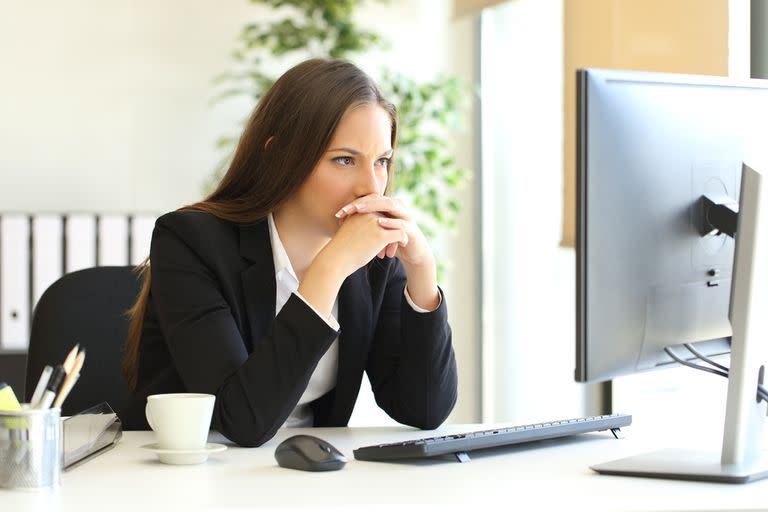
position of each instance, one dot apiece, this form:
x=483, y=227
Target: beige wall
x=680, y=36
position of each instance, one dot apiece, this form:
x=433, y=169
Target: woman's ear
x=269, y=141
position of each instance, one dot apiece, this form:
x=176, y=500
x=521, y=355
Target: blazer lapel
x=355, y=319
x=258, y=279
x=355, y=315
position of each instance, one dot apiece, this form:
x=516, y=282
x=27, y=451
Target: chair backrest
x=86, y=307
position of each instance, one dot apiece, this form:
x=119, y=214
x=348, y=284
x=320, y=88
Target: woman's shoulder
x=196, y=226
x=193, y=218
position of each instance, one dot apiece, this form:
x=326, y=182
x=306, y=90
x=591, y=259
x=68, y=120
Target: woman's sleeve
x=254, y=393
x=411, y=366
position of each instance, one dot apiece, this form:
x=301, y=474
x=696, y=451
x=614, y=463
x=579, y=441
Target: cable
x=692, y=365
x=703, y=357
x=761, y=391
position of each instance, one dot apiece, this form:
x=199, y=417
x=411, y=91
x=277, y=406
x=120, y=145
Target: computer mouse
x=309, y=453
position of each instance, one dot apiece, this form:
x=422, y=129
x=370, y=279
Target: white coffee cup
x=180, y=420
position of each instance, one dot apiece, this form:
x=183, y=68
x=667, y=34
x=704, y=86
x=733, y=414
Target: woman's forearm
x=422, y=286
x=321, y=285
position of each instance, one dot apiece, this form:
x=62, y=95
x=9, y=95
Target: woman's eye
x=384, y=162
x=344, y=160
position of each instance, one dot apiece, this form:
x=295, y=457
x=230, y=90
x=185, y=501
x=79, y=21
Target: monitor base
x=679, y=464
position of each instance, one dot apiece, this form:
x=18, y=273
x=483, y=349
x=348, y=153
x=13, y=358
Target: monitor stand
x=741, y=459
x=678, y=464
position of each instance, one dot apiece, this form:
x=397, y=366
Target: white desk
x=542, y=476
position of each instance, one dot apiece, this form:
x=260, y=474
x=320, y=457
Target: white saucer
x=185, y=456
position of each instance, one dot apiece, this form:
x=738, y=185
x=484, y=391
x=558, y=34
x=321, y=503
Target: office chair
x=86, y=307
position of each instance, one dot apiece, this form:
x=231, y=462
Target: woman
x=246, y=287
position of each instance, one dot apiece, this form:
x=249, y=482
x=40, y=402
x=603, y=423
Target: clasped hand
x=371, y=226
x=381, y=226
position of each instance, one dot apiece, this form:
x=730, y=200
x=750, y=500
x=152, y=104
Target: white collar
x=279, y=256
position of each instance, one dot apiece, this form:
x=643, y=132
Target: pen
x=40, y=389
x=70, y=380
x=51, y=388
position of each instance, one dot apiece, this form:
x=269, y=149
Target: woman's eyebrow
x=348, y=150
x=356, y=152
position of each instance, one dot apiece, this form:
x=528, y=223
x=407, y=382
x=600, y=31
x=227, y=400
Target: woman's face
x=354, y=165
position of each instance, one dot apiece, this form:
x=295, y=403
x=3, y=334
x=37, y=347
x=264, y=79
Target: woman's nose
x=369, y=184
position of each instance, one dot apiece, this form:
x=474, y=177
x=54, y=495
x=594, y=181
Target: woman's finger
x=389, y=223
x=371, y=204
x=396, y=224
x=398, y=238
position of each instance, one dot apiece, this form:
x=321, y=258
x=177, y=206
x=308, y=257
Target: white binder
x=113, y=240
x=14, y=281
x=81, y=241
x=141, y=235
x=47, y=257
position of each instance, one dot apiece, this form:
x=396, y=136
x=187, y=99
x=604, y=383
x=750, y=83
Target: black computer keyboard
x=459, y=444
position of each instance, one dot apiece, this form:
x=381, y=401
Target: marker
x=51, y=388
x=40, y=389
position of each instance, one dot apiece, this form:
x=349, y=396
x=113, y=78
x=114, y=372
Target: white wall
x=105, y=106
x=463, y=280
x=528, y=279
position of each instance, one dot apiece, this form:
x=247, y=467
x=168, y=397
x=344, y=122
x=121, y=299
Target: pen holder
x=31, y=449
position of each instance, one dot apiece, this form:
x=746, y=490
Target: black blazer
x=210, y=327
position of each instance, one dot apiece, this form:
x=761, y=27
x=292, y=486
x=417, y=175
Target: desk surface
x=542, y=476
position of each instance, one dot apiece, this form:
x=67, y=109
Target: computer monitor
x=660, y=166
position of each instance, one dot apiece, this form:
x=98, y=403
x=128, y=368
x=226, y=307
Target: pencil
x=70, y=380
x=70, y=360
x=65, y=389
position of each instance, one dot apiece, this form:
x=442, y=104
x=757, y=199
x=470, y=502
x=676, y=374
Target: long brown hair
x=283, y=140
